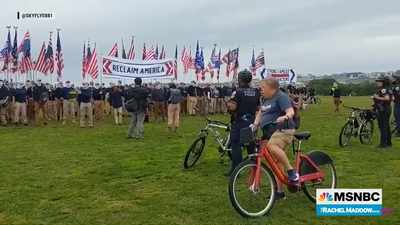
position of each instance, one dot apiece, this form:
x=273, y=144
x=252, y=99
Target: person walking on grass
x=86, y=108
x=174, y=99
x=68, y=96
x=136, y=105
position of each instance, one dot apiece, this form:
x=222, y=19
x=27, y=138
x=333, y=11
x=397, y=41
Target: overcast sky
x=315, y=36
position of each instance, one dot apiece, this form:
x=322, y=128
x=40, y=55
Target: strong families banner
x=285, y=76
x=128, y=69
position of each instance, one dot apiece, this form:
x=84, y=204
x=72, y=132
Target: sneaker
x=382, y=146
x=63, y=123
x=278, y=196
x=293, y=176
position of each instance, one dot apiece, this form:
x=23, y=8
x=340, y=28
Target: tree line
x=323, y=86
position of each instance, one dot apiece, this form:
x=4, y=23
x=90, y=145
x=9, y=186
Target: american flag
x=22, y=66
x=217, y=63
x=88, y=57
x=260, y=61
x=41, y=65
x=3, y=52
x=144, y=51
x=235, y=65
x=197, y=60
x=131, y=53
x=14, y=54
x=7, y=51
x=93, y=69
x=150, y=55
x=184, y=60
x=175, y=62
x=228, y=63
x=123, y=50
x=114, y=51
x=25, y=48
x=203, y=74
x=253, y=64
x=84, y=62
x=162, y=54
x=191, y=61
x=156, y=53
x=211, y=64
x=59, y=58
x=50, y=56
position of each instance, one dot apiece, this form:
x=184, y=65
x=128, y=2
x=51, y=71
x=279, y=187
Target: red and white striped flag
x=114, y=50
x=131, y=53
x=84, y=63
x=175, y=62
x=50, y=56
x=144, y=51
x=162, y=54
x=150, y=55
x=59, y=58
x=41, y=64
x=93, y=69
x=183, y=59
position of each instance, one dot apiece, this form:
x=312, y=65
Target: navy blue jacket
x=65, y=92
x=115, y=99
x=85, y=95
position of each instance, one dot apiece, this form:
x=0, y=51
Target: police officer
x=242, y=105
x=396, y=111
x=382, y=99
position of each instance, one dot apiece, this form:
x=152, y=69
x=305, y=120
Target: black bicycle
x=361, y=125
x=314, y=100
x=393, y=126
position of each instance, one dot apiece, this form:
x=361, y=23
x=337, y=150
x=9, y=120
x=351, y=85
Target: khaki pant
x=3, y=115
x=191, y=104
x=99, y=110
x=103, y=108
x=336, y=103
x=213, y=105
x=173, y=115
x=118, y=115
x=76, y=108
x=159, y=110
x=52, y=109
x=68, y=108
x=86, y=110
x=200, y=104
x=20, y=110
x=183, y=105
x=282, y=138
x=220, y=103
x=206, y=105
x=59, y=108
x=9, y=112
x=31, y=110
x=40, y=107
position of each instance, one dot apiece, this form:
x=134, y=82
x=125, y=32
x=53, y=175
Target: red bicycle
x=309, y=167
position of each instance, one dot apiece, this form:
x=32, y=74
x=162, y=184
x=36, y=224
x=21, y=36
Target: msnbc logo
x=325, y=197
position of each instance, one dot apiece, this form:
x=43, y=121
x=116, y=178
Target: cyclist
x=312, y=94
x=243, y=104
x=276, y=106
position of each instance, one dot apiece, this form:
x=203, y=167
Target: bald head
x=271, y=82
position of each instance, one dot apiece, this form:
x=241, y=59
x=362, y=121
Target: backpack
x=132, y=104
x=175, y=97
x=296, y=117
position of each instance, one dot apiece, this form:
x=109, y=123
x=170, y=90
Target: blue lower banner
x=349, y=210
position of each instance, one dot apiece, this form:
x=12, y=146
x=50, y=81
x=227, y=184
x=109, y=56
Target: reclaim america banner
x=128, y=69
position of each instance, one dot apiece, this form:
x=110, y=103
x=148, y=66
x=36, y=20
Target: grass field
x=67, y=175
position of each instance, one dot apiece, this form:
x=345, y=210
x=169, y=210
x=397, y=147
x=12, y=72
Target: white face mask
x=97, y=86
x=39, y=84
x=85, y=87
x=158, y=86
x=19, y=86
x=68, y=85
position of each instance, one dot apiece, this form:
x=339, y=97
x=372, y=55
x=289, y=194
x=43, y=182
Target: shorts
x=282, y=138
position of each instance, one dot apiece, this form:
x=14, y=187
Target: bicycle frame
x=209, y=129
x=265, y=153
x=356, y=120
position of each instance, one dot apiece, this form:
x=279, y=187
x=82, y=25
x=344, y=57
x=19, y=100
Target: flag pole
x=48, y=64
x=58, y=34
x=17, y=74
x=101, y=69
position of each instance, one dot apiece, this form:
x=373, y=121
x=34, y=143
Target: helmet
x=382, y=78
x=245, y=76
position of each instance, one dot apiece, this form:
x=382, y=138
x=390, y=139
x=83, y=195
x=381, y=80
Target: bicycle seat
x=302, y=135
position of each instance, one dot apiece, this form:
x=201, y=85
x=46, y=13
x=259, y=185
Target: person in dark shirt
x=68, y=97
x=141, y=95
x=200, y=97
x=191, y=98
x=4, y=102
x=335, y=92
x=227, y=92
x=115, y=101
x=86, y=109
x=39, y=96
x=19, y=103
x=51, y=103
x=183, y=104
x=58, y=94
x=207, y=98
x=31, y=103
x=157, y=97
x=98, y=96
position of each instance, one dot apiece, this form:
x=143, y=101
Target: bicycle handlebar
x=209, y=120
x=354, y=108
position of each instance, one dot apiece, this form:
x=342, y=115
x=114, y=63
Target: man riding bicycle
x=277, y=106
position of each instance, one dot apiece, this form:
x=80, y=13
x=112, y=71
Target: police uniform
x=384, y=111
x=247, y=100
x=396, y=111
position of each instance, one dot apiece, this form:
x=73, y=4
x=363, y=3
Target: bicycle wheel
x=347, y=132
x=307, y=186
x=366, y=132
x=393, y=126
x=196, y=152
x=266, y=201
x=318, y=101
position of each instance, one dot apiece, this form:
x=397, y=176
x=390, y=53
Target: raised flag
x=93, y=69
x=131, y=53
x=7, y=51
x=203, y=74
x=156, y=53
x=84, y=62
x=14, y=53
x=59, y=58
x=123, y=50
x=253, y=64
x=197, y=59
x=184, y=60
x=260, y=60
x=162, y=54
x=25, y=49
x=50, y=56
x=88, y=56
x=114, y=50
x=218, y=63
x=150, y=54
x=175, y=62
x=41, y=64
x=144, y=51
x=211, y=64
x=228, y=63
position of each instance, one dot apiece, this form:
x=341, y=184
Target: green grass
x=67, y=175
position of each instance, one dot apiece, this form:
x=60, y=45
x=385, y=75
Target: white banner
x=285, y=76
x=128, y=69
